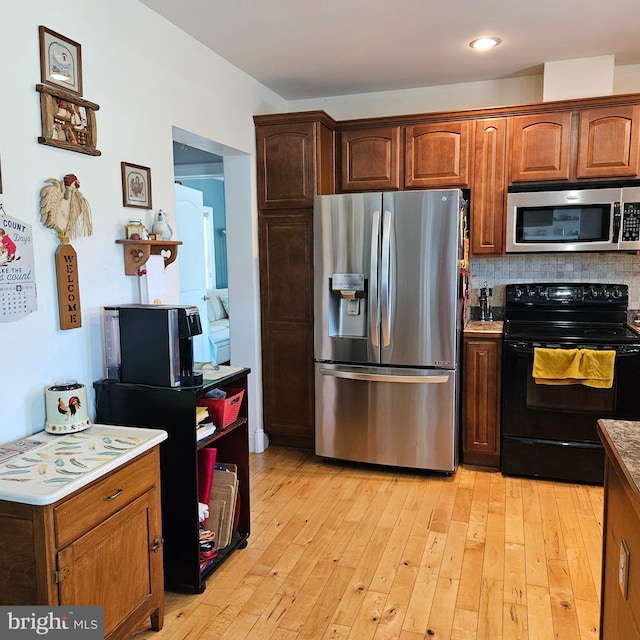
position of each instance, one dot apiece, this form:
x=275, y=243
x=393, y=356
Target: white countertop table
x=44, y=468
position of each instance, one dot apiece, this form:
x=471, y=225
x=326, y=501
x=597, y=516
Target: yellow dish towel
x=589, y=367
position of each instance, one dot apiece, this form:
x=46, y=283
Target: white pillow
x=225, y=303
x=215, y=309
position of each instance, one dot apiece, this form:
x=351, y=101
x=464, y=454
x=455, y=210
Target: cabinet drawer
x=92, y=505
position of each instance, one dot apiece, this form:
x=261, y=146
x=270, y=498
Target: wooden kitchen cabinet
x=481, y=397
x=174, y=410
x=286, y=292
x=607, y=145
x=437, y=155
x=295, y=159
x=488, y=191
x=100, y=545
x=294, y=149
x=620, y=592
x=609, y=142
x=541, y=146
x=370, y=159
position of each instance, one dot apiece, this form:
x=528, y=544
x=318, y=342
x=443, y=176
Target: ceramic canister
x=66, y=405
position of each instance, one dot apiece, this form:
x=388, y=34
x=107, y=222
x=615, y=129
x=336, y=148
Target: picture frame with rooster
x=60, y=61
x=136, y=186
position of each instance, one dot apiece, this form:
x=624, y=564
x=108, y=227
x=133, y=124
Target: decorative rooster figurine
x=65, y=209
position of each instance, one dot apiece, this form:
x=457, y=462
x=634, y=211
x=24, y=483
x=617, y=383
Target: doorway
x=201, y=219
x=241, y=238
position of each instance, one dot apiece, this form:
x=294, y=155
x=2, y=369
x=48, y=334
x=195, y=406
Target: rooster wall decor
x=65, y=209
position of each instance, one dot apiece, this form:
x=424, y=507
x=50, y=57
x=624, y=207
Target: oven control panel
x=567, y=294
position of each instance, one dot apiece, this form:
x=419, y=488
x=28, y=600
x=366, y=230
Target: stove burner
x=568, y=313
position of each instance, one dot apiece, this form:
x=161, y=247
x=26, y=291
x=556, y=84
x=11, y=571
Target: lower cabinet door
x=117, y=563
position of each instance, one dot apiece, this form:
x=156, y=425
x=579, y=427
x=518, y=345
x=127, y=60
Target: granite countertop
x=621, y=439
x=483, y=327
x=44, y=468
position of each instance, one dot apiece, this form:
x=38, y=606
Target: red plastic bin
x=223, y=412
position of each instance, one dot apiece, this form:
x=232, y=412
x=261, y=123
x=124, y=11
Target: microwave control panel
x=631, y=222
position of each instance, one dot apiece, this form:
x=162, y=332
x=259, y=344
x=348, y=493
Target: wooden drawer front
x=90, y=506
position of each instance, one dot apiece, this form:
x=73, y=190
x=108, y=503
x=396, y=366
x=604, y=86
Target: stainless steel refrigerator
x=388, y=316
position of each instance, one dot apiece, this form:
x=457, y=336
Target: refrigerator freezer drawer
x=388, y=416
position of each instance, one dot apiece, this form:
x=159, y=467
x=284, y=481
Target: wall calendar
x=17, y=273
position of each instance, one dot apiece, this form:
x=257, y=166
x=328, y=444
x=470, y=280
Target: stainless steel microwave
x=595, y=219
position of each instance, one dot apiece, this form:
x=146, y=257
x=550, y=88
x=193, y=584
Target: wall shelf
x=137, y=252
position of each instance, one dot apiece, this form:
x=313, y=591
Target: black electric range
x=550, y=431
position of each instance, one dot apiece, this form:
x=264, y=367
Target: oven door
x=550, y=431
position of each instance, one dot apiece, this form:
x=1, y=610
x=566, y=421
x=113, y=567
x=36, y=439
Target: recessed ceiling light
x=482, y=44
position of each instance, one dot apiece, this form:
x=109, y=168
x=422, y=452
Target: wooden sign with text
x=68, y=287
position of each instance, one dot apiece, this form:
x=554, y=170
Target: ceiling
x=319, y=48
x=186, y=155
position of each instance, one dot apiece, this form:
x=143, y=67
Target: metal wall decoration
x=17, y=273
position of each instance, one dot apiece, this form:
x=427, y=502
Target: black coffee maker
x=151, y=344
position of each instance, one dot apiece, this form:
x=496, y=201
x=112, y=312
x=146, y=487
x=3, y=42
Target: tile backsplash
x=606, y=268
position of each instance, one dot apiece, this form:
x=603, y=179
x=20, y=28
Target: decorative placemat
x=60, y=461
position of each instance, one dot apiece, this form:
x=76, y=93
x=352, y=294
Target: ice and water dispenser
x=348, y=309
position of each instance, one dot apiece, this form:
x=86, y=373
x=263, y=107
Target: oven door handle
x=556, y=443
x=523, y=347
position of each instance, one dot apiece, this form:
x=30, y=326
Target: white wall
x=147, y=76
x=450, y=97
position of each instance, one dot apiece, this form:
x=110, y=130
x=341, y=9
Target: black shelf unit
x=174, y=410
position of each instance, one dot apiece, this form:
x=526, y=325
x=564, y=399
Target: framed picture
x=68, y=121
x=60, y=61
x=136, y=186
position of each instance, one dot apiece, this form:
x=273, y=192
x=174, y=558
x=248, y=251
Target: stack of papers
x=204, y=427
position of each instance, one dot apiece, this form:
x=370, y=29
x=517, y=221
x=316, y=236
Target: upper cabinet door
x=437, y=155
x=370, y=159
x=608, y=142
x=541, y=147
x=486, y=219
x=286, y=165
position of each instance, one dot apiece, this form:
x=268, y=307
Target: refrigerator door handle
x=377, y=377
x=385, y=298
x=374, y=311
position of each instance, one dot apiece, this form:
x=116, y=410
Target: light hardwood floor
x=349, y=552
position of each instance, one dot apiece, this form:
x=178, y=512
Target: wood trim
x=297, y=116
